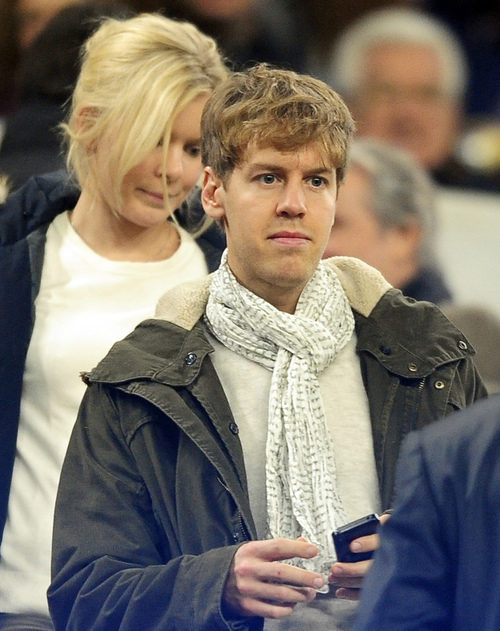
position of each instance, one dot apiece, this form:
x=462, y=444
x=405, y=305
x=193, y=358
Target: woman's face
x=142, y=187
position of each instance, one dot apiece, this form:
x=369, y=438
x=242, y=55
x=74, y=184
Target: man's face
x=402, y=102
x=358, y=232
x=278, y=209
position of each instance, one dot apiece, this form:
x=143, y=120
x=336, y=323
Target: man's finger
x=347, y=594
x=280, y=549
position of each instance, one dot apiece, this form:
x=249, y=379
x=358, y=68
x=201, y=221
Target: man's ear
x=213, y=194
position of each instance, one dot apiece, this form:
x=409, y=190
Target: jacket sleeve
x=469, y=382
x=410, y=585
x=111, y=564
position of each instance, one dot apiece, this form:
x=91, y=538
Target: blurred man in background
x=386, y=217
x=404, y=75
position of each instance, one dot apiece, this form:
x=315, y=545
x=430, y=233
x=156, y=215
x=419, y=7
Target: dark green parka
x=153, y=496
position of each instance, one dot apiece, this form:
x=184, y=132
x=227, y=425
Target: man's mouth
x=288, y=238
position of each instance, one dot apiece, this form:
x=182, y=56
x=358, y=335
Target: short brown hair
x=267, y=106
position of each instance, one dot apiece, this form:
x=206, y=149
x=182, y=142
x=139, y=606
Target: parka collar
x=364, y=286
x=171, y=347
x=154, y=351
x=410, y=338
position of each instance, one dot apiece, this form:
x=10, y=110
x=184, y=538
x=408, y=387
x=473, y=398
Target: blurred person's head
x=137, y=78
x=46, y=77
x=34, y=15
x=21, y=21
x=482, y=328
x=385, y=212
x=220, y=9
x=247, y=31
x=51, y=63
x=404, y=76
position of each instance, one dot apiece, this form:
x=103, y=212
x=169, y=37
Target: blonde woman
x=82, y=264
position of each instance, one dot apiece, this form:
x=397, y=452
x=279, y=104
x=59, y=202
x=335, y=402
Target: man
x=438, y=564
x=261, y=409
x=385, y=215
x=404, y=75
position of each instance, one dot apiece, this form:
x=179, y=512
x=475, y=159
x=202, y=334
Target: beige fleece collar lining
x=364, y=285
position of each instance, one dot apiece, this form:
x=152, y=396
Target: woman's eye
x=193, y=151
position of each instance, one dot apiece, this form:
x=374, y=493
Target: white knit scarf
x=302, y=499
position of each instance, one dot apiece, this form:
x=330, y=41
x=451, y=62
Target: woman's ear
x=213, y=194
x=85, y=120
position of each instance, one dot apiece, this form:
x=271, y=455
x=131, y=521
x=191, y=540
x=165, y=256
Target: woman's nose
x=173, y=164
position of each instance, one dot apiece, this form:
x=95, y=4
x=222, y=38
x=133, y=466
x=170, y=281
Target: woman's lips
x=156, y=196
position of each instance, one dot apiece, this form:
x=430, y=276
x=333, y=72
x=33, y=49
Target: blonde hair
x=271, y=107
x=137, y=74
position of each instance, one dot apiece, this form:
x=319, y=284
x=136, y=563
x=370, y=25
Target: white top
x=247, y=386
x=85, y=304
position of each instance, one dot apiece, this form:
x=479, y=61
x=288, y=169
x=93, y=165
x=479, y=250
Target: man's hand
x=348, y=577
x=258, y=585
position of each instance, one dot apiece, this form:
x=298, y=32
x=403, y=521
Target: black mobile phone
x=345, y=534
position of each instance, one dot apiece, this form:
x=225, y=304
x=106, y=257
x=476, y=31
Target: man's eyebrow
x=320, y=170
x=265, y=166
x=268, y=166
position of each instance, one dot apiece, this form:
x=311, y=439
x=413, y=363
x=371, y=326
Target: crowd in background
x=36, y=73
x=432, y=88
x=423, y=84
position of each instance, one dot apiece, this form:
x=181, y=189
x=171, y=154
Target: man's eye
x=268, y=178
x=317, y=181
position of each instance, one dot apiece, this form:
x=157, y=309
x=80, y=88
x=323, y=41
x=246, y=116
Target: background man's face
x=402, y=102
x=358, y=231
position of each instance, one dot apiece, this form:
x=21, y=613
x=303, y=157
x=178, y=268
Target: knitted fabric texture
x=300, y=468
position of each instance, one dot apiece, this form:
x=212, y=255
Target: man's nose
x=292, y=200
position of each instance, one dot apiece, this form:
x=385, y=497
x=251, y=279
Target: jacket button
x=385, y=349
x=190, y=359
x=412, y=367
x=439, y=385
x=462, y=345
x=233, y=427
x=84, y=376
